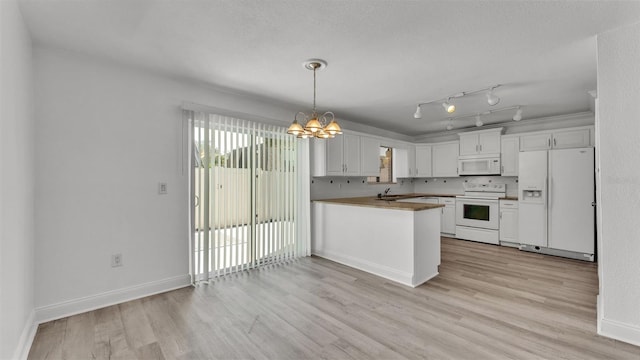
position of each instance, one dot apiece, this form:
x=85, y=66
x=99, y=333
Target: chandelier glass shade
x=319, y=126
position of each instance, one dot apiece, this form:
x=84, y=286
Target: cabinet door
x=535, y=142
x=445, y=159
x=448, y=224
x=334, y=150
x=489, y=143
x=400, y=162
x=412, y=161
x=571, y=138
x=423, y=161
x=469, y=145
x=509, y=156
x=509, y=225
x=351, y=154
x=369, y=156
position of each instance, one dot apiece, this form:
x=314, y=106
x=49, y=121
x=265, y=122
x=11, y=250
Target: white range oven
x=478, y=212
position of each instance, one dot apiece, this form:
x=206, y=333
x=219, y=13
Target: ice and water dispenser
x=533, y=194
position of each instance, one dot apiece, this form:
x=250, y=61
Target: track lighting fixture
x=478, y=121
x=518, y=114
x=418, y=113
x=492, y=99
x=448, y=107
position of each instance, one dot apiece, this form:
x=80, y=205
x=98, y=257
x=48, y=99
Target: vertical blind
x=249, y=206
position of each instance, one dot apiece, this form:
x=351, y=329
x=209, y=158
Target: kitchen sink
x=390, y=197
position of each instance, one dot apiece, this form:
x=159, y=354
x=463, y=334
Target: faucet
x=386, y=191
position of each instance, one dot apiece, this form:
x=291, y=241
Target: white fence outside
x=230, y=196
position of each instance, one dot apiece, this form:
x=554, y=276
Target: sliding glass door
x=244, y=188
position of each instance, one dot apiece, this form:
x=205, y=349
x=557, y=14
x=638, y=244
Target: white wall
x=16, y=184
x=106, y=135
x=619, y=125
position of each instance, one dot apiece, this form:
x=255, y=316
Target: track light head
x=449, y=126
x=478, y=121
x=418, y=114
x=518, y=115
x=492, y=99
x=448, y=107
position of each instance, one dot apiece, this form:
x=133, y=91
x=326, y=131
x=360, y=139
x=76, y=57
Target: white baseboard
x=26, y=338
x=376, y=269
x=424, y=280
x=620, y=331
x=93, y=302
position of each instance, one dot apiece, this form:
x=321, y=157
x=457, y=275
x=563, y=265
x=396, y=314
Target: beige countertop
x=372, y=201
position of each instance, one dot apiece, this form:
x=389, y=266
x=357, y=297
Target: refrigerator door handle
x=549, y=194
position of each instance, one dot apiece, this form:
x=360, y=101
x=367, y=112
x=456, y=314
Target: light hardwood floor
x=488, y=302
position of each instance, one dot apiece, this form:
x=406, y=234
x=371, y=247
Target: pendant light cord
x=314, y=89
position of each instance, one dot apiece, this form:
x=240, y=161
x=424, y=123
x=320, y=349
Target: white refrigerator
x=556, y=196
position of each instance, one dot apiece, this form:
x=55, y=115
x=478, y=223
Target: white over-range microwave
x=479, y=165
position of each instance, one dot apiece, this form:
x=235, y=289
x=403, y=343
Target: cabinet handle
x=480, y=147
x=500, y=215
x=549, y=143
x=501, y=168
x=554, y=142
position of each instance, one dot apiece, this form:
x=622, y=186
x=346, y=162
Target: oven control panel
x=485, y=187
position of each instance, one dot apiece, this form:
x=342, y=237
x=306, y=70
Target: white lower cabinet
x=509, y=222
x=448, y=219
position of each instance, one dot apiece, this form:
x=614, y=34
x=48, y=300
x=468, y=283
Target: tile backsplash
x=454, y=185
x=339, y=187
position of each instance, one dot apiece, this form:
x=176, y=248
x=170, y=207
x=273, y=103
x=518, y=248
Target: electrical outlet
x=116, y=260
x=162, y=188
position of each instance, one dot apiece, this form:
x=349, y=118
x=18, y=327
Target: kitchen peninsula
x=396, y=240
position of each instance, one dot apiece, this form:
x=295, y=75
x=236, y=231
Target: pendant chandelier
x=319, y=126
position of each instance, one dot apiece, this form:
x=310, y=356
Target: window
x=386, y=166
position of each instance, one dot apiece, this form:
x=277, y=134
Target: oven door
x=480, y=213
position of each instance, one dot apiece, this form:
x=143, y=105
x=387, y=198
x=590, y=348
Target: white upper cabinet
x=351, y=155
x=369, y=156
x=404, y=161
x=509, y=155
x=483, y=142
x=571, y=138
x=339, y=156
x=537, y=141
x=445, y=159
x=557, y=139
x=423, y=161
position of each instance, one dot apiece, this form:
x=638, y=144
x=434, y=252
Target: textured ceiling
x=384, y=56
